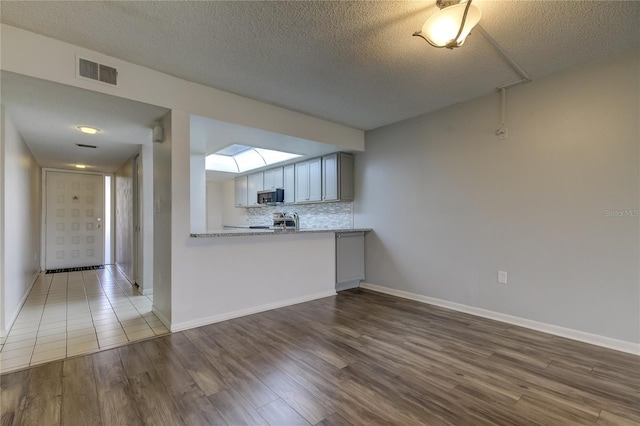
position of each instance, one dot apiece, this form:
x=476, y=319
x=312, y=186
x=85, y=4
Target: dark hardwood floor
x=359, y=358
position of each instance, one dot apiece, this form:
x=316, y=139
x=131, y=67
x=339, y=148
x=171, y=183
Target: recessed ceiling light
x=80, y=166
x=88, y=130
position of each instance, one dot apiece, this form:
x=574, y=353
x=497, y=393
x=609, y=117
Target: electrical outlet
x=502, y=277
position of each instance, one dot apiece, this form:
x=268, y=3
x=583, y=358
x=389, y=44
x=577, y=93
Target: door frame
x=138, y=209
x=43, y=224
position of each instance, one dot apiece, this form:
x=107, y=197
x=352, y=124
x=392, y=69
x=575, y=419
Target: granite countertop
x=245, y=232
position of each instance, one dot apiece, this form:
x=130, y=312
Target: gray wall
x=124, y=219
x=21, y=185
x=451, y=204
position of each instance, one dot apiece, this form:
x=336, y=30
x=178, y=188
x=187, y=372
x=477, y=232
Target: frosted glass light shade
x=443, y=26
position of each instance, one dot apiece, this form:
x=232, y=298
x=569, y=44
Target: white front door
x=74, y=220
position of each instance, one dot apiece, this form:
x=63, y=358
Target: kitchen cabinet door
x=349, y=260
x=337, y=177
x=241, y=191
x=289, y=183
x=308, y=181
x=302, y=182
x=315, y=179
x=273, y=178
x=330, y=177
x=255, y=183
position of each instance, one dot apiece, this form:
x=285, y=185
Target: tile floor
x=76, y=313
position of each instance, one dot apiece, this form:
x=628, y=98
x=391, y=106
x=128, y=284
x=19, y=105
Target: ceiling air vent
x=97, y=72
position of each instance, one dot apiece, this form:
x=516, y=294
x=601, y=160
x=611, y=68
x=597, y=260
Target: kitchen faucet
x=296, y=219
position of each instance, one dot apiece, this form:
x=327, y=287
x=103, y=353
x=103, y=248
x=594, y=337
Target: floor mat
x=79, y=268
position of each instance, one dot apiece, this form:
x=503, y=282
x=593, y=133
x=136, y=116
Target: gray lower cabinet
x=349, y=260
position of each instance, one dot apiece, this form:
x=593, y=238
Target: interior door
x=74, y=235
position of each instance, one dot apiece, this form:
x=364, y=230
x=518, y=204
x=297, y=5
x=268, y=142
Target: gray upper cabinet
x=308, y=181
x=302, y=182
x=337, y=177
x=255, y=183
x=328, y=178
x=241, y=191
x=315, y=179
x=289, y=183
x=273, y=178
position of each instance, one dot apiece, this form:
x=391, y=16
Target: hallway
x=74, y=313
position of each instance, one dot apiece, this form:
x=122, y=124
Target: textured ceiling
x=47, y=115
x=352, y=62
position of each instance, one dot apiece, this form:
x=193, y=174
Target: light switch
x=502, y=277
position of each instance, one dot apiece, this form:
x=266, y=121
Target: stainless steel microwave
x=271, y=196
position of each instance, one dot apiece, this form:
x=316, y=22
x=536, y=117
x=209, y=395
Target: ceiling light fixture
x=80, y=166
x=451, y=25
x=88, y=130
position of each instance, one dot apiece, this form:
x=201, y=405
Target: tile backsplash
x=318, y=216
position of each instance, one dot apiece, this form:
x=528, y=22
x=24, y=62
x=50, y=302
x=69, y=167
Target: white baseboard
x=164, y=320
x=5, y=331
x=248, y=311
x=124, y=272
x=594, y=339
x=147, y=291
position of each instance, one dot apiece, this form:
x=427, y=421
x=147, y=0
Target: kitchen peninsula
x=245, y=271
x=264, y=238
x=246, y=232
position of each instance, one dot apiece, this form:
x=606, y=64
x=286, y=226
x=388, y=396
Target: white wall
x=146, y=280
x=124, y=231
x=22, y=210
x=214, y=205
x=218, y=278
x=232, y=215
x=162, y=232
x=198, y=188
x=467, y=204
